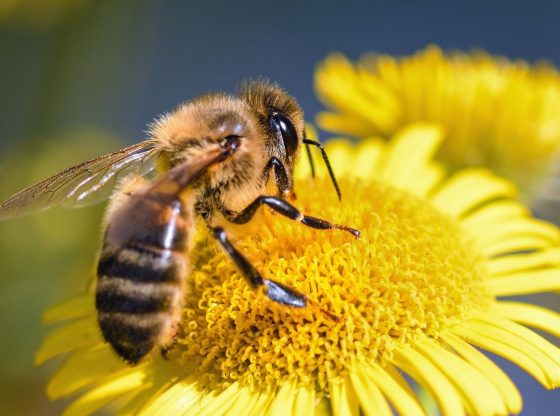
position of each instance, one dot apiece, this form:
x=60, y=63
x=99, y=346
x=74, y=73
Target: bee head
x=279, y=115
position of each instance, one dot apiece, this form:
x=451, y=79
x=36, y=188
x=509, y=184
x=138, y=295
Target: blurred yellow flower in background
x=497, y=113
x=415, y=294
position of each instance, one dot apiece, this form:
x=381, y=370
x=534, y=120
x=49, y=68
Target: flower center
x=413, y=272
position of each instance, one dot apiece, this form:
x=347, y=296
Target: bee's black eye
x=279, y=123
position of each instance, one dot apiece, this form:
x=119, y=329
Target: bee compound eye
x=279, y=123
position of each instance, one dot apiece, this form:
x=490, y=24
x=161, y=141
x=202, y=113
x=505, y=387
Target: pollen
x=412, y=273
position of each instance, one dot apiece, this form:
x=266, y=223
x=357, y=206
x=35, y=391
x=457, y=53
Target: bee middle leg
x=274, y=291
x=283, y=207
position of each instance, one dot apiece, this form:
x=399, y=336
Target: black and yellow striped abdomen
x=141, y=271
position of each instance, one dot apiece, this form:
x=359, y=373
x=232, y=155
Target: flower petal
x=409, y=151
x=160, y=379
x=178, y=399
x=516, y=244
x=497, y=211
x=367, y=159
x=514, y=348
x=371, y=399
x=505, y=231
x=78, y=334
x=427, y=179
x=341, y=123
x=509, y=393
x=304, y=402
x=232, y=400
x=75, y=307
x=344, y=401
x=431, y=378
x=83, y=367
x=283, y=403
x=401, y=399
x=118, y=385
x=479, y=395
x=525, y=282
x=524, y=261
x=532, y=315
x=263, y=402
x=469, y=188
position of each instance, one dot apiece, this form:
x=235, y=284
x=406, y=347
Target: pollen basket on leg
x=410, y=274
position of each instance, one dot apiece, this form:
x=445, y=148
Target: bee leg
x=274, y=291
x=288, y=210
x=280, y=176
x=164, y=351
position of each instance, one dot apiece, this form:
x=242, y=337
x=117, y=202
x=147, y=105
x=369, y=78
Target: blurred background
x=83, y=77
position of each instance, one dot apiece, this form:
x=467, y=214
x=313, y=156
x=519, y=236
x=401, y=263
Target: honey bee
x=218, y=157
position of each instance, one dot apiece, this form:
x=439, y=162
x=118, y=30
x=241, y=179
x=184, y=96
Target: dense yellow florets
x=412, y=272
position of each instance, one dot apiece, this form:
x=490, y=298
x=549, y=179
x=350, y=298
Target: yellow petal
x=478, y=393
x=469, y=188
x=398, y=377
x=504, y=231
x=304, y=402
x=400, y=398
x=509, y=393
x=341, y=154
x=379, y=93
x=516, y=244
x=402, y=165
x=427, y=179
x=532, y=315
x=284, y=400
x=371, y=400
x=529, y=336
x=522, y=261
x=118, y=385
x=161, y=379
x=178, y=399
x=343, y=124
x=83, y=367
x=498, y=211
x=367, y=160
x=78, y=334
x=525, y=282
x=261, y=405
x=223, y=402
x=513, y=348
x=75, y=307
x=344, y=401
x=431, y=378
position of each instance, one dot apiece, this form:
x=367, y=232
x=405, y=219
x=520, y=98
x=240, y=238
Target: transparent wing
x=84, y=184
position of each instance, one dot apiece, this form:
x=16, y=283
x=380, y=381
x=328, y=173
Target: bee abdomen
x=132, y=336
x=138, y=297
x=142, y=263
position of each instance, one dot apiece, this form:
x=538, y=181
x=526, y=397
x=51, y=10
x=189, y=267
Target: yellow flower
x=414, y=295
x=495, y=113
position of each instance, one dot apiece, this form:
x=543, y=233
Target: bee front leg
x=283, y=207
x=274, y=291
x=283, y=184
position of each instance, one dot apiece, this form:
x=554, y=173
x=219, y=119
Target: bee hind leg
x=274, y=290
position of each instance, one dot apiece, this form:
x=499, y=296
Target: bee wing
x=84, y=184
x=182, y=176
x=139, y=212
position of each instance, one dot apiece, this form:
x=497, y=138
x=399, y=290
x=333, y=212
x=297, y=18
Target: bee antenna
x=326, y=160
x=310, y=159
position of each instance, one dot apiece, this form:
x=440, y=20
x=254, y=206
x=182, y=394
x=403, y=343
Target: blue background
x=113, y=66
